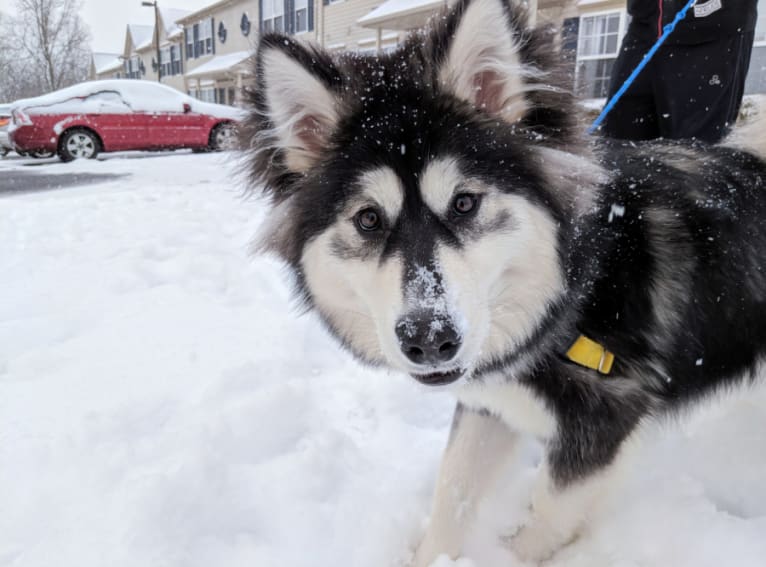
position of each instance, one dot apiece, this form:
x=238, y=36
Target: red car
x=118, y=115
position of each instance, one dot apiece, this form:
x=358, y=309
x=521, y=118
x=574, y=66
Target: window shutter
x=195, y=36
x=311, y=15
x=289, y=17
x=570, y=31
x=186, y=42
x=260, y=15
x=212, y=32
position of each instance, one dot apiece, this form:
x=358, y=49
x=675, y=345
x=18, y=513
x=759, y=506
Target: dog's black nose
x=428, y=340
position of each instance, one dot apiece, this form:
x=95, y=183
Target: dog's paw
x=537, y=541
x=430, y=550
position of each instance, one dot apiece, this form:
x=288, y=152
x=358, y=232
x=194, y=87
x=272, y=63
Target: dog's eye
x=368, y=220
x=464, y=204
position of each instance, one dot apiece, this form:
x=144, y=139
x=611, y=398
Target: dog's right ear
x=295, y=102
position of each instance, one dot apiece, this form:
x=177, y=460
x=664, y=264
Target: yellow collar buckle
x=590, y=354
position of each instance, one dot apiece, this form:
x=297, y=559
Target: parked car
x=118, y=115
x=5, y=120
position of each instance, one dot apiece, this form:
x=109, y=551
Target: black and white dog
x=445, y=215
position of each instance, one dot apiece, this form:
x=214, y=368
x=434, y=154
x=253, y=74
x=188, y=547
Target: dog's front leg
x=479, y=446
x=583, y=464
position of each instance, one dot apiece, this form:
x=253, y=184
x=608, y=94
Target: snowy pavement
x=163, y=404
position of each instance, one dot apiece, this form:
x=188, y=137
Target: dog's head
x=424, y=197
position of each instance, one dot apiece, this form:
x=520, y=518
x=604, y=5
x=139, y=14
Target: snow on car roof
x=121, y=95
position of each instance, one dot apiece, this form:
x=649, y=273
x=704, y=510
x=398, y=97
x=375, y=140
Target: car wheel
x=41, y=154
x=4, y=152
x=222, y=137
x=78, y=144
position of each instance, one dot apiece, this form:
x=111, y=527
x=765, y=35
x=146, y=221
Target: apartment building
x=170, y=65
x=137, y=52
x=218, y=40
x=205, y=53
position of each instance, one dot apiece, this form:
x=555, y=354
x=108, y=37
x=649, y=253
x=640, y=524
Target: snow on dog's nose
x=427, y=332
x=427, y=339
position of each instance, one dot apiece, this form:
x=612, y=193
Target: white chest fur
x=513, y=403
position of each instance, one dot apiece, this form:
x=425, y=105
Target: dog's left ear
x=482, y=63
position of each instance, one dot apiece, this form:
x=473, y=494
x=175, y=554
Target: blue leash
x=667, y=30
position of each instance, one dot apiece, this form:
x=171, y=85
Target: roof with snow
x=401, y=14
x=169, y=18
x=141, y=35
x=205, y=10
x=103, y=62
x=220, y=64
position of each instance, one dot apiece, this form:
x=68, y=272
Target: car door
x=161, y=112
x=118, y=124
x=184, y=128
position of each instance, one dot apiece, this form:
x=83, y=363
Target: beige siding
x=176, y=81
x=340, y=27
x=231, y=16
x=113, y=74
x=146, y=55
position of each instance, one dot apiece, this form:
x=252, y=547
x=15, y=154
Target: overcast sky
x=107, y=18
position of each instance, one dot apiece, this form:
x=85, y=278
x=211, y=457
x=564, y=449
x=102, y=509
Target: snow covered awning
x=413, y=14
x=220, y=65
x=401, y=14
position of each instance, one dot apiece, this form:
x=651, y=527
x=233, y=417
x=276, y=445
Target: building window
x=760, y=26
x=597, y=47
x=273, y=16
x=756, y=75
x=222, y=33
x=170, y=61
x=175, y=60
x=301, y=16
x=133, y=68
x=165, y=66
x=207, y=94
x=189, y=34
x=199, y=41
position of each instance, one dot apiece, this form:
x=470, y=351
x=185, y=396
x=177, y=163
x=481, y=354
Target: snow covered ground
x=162, y=404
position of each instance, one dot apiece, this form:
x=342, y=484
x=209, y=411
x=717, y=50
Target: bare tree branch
x=45, y=47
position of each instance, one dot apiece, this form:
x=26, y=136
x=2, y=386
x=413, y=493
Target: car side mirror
x=187, y=108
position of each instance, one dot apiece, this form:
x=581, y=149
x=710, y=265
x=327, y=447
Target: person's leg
x=635, y=115
x=699, y=88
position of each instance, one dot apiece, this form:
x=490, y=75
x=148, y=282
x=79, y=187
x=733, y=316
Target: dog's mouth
x=439, y=378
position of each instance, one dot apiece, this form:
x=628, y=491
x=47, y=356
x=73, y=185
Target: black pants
x=686, y=91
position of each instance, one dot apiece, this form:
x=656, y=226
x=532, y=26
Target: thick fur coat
x=444, y=213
